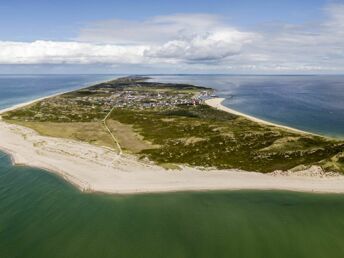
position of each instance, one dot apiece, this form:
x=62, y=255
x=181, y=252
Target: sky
x=146, y=36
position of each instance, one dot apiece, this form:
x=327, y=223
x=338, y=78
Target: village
x=143, y=99
x=93, y=103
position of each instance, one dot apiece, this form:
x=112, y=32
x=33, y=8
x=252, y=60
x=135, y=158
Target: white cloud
x=67, y=52
x=167, y=39
x=173, y=38
x=210, y=46
x=184, y=37
x=310, y=47
x=196, y=42
x=159, y=29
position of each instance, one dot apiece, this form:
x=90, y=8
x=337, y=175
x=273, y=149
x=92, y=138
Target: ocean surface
x=15, y=89
x=43, y=216
x=311, y=103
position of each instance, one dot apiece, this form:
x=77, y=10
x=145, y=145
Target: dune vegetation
x=170, y=125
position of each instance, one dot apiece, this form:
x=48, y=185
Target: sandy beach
x=217, y=103
x=28, y=103
x=97, y=169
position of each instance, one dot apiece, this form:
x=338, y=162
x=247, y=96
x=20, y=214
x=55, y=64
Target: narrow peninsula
x=133, y=135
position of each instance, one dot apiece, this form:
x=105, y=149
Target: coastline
x=29, y=102
x=97, y=169
x=217, y=103
x=26, y=103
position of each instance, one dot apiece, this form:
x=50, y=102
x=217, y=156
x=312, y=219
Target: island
x=133, y=135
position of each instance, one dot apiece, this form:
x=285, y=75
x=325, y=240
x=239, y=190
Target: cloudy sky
x=193, y=36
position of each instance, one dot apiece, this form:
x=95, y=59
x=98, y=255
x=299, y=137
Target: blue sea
x=15, y=89
x=313, y=103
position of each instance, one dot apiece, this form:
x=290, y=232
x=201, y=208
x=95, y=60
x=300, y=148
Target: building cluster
x=137, y=99
x=94, y=103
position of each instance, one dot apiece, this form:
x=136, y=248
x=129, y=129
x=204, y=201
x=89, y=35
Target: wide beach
x=98, y=169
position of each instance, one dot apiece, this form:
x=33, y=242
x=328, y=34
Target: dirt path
x=119, y=148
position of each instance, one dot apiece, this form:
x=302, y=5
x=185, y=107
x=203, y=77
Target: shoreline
x=217, y=103
x=29, y=102
x=96, y=169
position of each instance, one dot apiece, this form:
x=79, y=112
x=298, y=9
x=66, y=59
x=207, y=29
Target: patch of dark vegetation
x=341, y=160
x=227, y=143
x=173, y=86
x=199, y=111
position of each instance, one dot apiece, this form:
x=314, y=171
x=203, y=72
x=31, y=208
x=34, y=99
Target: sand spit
x=97, y=169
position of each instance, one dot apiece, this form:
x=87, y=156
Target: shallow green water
x=42, y=216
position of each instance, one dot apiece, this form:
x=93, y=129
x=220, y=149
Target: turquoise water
x=312, y=103
x=42, y=216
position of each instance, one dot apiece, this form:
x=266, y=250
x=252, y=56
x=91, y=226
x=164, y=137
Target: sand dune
x=93, y=168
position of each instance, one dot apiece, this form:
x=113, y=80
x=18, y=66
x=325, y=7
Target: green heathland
x=162, y=122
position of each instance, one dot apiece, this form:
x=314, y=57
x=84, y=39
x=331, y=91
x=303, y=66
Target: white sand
x=217, y=103
x=94, y=168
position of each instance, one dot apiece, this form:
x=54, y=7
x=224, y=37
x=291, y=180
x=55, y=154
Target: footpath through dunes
x=115, y=141
x=97, y=169
x=165, y=126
